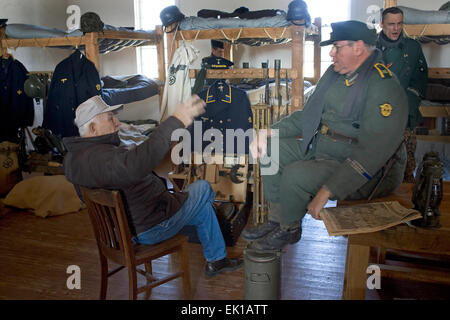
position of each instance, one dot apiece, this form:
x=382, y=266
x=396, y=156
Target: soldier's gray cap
x=92, y=107
x=351, y=30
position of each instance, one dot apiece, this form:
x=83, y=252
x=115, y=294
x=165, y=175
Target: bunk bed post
x=317, y=51
x=92, y=49
x=160, y=54
x=3, y=48
x=172, y=45
x=228, y=48
x=298, y=37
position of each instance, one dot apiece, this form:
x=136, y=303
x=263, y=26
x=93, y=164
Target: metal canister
x=262, y=272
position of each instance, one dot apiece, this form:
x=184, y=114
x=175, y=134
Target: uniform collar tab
x=219, y=91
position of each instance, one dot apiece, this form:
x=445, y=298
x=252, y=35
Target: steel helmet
x=34, y=87
x=298, y=10
x=91, y=22
x=170, y=15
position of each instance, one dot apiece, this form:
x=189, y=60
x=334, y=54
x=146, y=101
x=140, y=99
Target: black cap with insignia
x=216, y=44
x=351, y=30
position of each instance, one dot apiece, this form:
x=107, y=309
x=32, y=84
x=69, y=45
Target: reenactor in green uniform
x=404, y=57
x=350, y=127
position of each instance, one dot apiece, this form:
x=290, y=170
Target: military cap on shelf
x=351, y=30
x=3, y=22
x=216, y=44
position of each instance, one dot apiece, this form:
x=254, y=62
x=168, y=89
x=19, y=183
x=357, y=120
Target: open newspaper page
x=364, y=218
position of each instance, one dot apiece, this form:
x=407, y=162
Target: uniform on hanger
x=227, y=107
x=74, y=80
x=16, y=108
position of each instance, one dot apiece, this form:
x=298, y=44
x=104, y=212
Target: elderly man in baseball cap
x=97, y=160
x=351, y=127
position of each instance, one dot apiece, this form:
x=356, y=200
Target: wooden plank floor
x=35, y=254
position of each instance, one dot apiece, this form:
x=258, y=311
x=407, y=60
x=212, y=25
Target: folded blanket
x=415, y=16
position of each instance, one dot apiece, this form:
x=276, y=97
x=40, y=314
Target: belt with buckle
x=333, y=135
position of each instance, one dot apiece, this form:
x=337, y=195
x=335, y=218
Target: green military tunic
x=347, y=170
x=404, y=57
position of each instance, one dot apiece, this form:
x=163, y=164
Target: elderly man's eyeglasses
x=336, y=46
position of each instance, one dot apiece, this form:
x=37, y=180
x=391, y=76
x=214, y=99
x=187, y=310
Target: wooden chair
x=108, y=217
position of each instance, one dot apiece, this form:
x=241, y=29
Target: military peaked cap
x=216, y=44
x=351, y=30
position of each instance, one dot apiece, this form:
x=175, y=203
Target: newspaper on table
x=364, y=218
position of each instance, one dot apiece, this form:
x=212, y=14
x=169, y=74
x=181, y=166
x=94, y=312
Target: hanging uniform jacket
x=178, y=84
x=74, y=80
x=227, y=107
x=16, y=108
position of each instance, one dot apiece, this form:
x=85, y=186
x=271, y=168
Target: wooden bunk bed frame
x=415, y=30
x=91, y=42
x=294, y=32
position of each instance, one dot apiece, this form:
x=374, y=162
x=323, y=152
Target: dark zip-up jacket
x=74, y=80
x=16, y=108
x=100, y=162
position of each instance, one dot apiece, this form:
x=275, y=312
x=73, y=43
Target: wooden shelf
x=414, y=30
x=243, y=73
x=239, y=33
x=76, y=41
x=435, y=111
x=439, y=73
x=445, y=139
x=91, y=42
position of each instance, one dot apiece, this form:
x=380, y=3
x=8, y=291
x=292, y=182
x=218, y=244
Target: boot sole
x=247, y=238
x=226, y=269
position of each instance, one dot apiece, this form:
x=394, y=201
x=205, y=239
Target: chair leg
x=132, y=282
x=148, y=269
x=184, y=264
x=381, y=255
x=104, y=277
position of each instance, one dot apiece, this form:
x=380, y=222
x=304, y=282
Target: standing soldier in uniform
x=350, y=127
x=404, y=57
x=214, y=61
x=217, y=49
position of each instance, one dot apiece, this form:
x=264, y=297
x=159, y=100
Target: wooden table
x=402, y=237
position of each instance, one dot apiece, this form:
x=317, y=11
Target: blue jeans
x=198, y=211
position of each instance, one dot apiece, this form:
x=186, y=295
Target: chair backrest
x=109, y=221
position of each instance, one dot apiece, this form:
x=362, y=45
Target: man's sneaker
x=216, y=267
x=260, y=230
x=277, y=239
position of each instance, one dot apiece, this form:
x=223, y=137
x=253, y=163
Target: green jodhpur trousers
x=300, y=177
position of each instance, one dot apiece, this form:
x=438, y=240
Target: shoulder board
x=383, y=71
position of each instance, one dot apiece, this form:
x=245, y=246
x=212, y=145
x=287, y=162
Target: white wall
x=47, y=13
x=436, y=55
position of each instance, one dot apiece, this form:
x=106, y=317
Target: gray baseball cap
x=91, y=108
